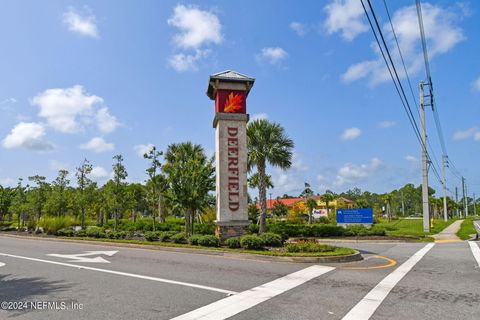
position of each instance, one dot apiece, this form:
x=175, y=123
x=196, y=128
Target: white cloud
x=476, y=84
x=273, y=55
x=99, y=173
x=351, y=173
x=299, y=28
x=7, y=182
x=198, y=29
x=386, y=124
x=28, y=135
x=8, y=101
x=106, y=122
x=182, y=62
x=351, y=134
x=70, y=110
x=84, y=25
x=56, y=165
x=465, y=134
x=98, y=145
x=141, y=149
x=441, y=32
x=411, y=158
x=259, y=116
x=345, y=16
x=476, y=137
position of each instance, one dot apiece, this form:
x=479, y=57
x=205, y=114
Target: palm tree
x=191, y=176
x=267, y=142
x=388, y=202
x=311, y=204
x=327, y=198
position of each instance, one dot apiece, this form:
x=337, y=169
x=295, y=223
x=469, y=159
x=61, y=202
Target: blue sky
x=97, y=78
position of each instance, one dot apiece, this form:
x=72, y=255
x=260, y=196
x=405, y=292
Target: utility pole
x=464, y=199
x=456, y=200
x=425, y=206
x=474, y=206
x=444, y=164
x=403, y=205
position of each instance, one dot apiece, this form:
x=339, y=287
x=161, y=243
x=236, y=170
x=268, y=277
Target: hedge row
x=321, y=230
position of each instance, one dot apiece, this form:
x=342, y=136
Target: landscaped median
x=264, y=247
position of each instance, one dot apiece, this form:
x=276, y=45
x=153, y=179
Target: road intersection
x=395, y=281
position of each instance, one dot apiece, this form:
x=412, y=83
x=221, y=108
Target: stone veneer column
x=231, y=174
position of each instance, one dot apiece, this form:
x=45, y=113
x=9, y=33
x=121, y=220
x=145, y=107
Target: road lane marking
x=475, y=251
x=367, y=306
x=2, y=264
x=390, y=263
x=83, y=257
x=242, y=301
x=120, y=273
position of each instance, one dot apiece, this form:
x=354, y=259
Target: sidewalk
x=449, y=233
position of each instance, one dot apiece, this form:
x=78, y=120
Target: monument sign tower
x=230, y=89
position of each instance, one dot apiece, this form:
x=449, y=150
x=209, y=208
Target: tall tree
x=267, y=143
x=83, y=182
x=6, y=197
x=311, y=204
x=156, y=184
x=327, y=197
x=191, y=176
x=38, y=194
x=57, y=201
x=119, y=176
x=19, y=202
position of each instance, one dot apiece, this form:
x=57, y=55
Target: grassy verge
x=466, y=229
x=412, y=227
x=339, y=251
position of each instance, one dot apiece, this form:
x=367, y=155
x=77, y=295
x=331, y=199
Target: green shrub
x=194, y=239
x=179, y=238
x=51, y=225
x=80, y=233
x=253, y=228
x=166, y=236
x=308, y=247
x=66, y=232
x=205, y=228
x=233, y=242
x=251, y=242
x=271, y=239
x=93, y=231
x=151, y=236
x=208, y=240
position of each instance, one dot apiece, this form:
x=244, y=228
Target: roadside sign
x=355, y=216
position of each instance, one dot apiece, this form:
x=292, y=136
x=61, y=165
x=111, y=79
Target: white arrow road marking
x=82, y=257
x=475, y=251
x=367, y=306
x=237, y=303
x=2, y=264
x=125, y=274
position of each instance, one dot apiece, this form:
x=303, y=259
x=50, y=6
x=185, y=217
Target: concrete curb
x=228, y=254
x=329, y=240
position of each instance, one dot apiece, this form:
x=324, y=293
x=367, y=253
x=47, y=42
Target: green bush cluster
x=179, y=238
x=251, y=242
x=308, y=247
x=271, y=239
x=322, y=230
x=95, y=232
x=207, y=240
x=233, y=242
x=66, y=232
x=205, y=228
x=51, y=225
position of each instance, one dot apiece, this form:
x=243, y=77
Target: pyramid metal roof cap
x=228, y=75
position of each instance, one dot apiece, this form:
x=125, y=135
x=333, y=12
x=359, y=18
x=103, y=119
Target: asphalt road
x=396, y=281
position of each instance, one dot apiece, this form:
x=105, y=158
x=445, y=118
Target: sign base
x=231, y=229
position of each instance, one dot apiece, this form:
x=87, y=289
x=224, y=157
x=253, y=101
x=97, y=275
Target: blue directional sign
x=351, y=216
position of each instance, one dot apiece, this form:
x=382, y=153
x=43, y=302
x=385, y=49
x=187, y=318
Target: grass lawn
x=412, y=227
x=466, y=229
